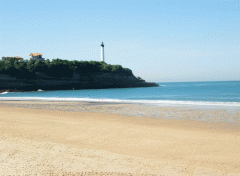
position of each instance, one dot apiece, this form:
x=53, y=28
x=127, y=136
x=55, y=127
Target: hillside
x=65, y=75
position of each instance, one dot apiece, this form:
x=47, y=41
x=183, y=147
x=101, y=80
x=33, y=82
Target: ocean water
x=220, y=93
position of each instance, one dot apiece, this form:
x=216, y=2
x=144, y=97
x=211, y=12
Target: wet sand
x=80, y=138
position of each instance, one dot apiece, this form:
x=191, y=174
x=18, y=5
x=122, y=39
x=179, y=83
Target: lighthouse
x=102, y=52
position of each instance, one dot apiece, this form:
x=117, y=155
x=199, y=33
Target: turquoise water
x=203, y=93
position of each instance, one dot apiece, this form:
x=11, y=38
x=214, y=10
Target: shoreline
x=128, y=101
x=78, y=137
x=226, y=114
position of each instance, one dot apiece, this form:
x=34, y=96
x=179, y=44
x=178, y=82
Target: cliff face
x=95, y=81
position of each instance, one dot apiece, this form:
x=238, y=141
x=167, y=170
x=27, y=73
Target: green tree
x=117, y=68
x=30, y=65
x=9, y=67
x=21, y=70
x=106, y=68
x=2, y=66
x=60, y=68
x=40, y=66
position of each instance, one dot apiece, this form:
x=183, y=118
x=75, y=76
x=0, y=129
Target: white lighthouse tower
x=102, y=52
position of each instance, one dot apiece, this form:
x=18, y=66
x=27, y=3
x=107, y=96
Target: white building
x=15, y=57
x=36, y=56
x=102, y=52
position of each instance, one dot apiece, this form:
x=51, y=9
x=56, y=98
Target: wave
x=154, y=102
x=4, y=92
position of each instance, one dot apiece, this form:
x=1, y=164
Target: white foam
x=155, y=102
x=4, y=92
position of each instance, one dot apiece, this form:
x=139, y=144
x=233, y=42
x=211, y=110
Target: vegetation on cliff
x=58, y=68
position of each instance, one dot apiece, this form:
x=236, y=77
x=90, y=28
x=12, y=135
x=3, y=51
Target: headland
x=66, y=75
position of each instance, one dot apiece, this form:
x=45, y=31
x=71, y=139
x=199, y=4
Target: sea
x=218, y=94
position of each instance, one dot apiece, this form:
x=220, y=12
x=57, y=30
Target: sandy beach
x=80, y=138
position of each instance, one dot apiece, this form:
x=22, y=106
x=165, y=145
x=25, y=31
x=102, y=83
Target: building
x=36, y=56
x=102, y=52
x=15, y=57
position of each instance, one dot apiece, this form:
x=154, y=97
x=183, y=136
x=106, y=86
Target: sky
x=159, y=40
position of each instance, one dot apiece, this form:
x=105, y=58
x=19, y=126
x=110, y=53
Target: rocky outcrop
x=94, y=81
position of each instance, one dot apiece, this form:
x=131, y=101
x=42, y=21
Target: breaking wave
x=153, y=102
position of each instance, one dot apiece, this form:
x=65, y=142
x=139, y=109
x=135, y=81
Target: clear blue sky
x=160, y=40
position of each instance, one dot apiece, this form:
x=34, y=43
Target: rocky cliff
x=94, y=81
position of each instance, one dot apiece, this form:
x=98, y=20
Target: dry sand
x=72, y=138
